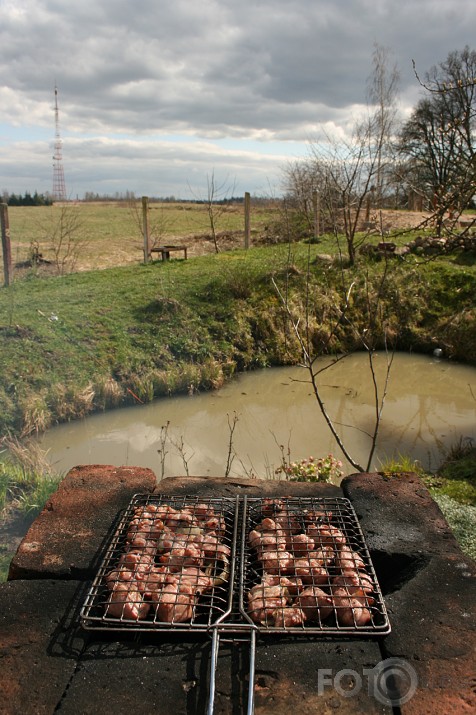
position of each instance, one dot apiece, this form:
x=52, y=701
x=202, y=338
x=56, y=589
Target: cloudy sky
x=156, y=95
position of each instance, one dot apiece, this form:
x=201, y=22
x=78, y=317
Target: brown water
x=430, y=404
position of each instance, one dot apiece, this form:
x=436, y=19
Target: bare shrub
x=64, y=236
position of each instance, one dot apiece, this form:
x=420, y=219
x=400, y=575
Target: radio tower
x=59, y=188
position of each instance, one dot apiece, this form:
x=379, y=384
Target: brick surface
x=213, y=486
x=398, y=514
x=64, y=540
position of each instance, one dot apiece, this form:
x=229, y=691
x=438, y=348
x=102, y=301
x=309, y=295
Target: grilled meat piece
x=175, y=602
x=207, y=519
x=348, y=560
x=264, y=598
x=354, y=578
x=267, y=536
x=284, y=517
x=288, y=521
x=125, y=601
x=300, y=544
x=149, y=582
x=351, y=605
x=212, y=546
x=310, y=571
x=140, y=527
x=325, y=555
x=160, y=577
x=170, y=540
x=267, y=524
x=179, y=519
x=214, y=524
x=153, y=511
x=293, y=585
x=277, y=562
x=326, y=535
x=145, y=546
x=180, y=556
x=273, y=540
x=288, y=617
x=315, y=603
x=117, y=575
x=201, y=511
x=316, y=516
x=270, y=507
x=196, y=578
x=134, y=560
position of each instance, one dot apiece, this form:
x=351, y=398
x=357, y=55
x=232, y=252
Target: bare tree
x=368, y=336
x=64, y=235
x=349, y=175
x=350, y=169
x=439, y=138
x=382, y=94
x=216, y=201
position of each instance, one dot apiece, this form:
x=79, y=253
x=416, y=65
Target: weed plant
x=26, y=483
x=25, y=487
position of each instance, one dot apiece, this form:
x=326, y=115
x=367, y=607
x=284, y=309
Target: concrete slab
x=434, y=631
x=306, y=675
x=35, y=670
x=429, y=587
x=172, y=676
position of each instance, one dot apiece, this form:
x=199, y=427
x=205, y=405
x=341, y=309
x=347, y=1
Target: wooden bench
x=165, y=251
x=465, y=222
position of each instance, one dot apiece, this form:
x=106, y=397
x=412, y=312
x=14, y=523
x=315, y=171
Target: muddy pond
x=252, y=420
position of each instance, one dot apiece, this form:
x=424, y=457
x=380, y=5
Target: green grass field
x=110, y=234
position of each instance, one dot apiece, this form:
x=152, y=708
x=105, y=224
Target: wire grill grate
x=306, y=568
x=171, y=565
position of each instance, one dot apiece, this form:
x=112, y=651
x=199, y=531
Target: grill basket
x=171, y=565
x=320, y=579
x=134, y=589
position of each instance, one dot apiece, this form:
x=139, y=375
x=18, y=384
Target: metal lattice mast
x=59, y=188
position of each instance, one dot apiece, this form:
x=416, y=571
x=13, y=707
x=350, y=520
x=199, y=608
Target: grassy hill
x=96, y=339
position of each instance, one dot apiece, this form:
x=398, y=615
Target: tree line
x=26, y=199
x=426, y=163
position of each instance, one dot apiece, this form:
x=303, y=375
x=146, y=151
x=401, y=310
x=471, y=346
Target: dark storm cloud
x=156, y=65
x=266, y=70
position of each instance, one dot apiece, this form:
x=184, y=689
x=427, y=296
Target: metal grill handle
x=213, y=669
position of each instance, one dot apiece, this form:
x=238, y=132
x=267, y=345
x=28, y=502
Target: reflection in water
x=429, y=406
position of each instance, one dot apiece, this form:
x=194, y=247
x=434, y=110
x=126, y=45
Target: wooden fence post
x=6, y=245
x=145, y=227
x=247, y=219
